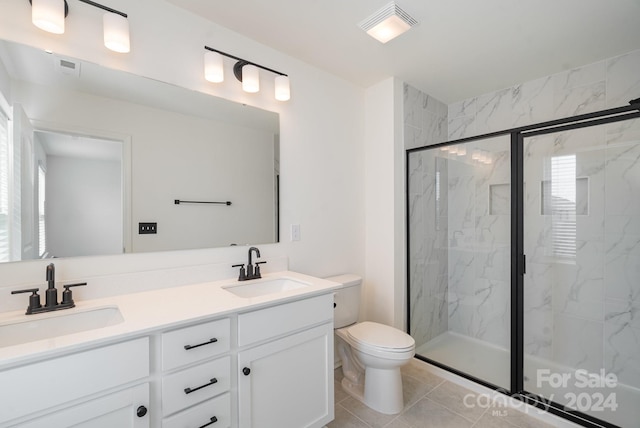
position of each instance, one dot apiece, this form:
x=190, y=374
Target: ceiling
x=459, y=49
x=79, y=146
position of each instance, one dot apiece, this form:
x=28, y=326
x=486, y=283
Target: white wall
x=385, y=285
x=322, y=167
x=84, y=206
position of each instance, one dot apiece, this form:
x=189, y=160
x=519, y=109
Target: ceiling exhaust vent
x=68, y=67
x=388, y=23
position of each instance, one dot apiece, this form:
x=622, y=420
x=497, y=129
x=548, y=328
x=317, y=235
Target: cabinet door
x=288, y=383
x=119, y=409
x=54, y=382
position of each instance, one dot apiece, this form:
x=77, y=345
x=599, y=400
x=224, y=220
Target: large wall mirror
x=93, y=160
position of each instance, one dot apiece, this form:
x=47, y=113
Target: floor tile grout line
x=447, y=407
x=454, y=412
x=480, y=418
x=430, y=390
x=355, y=416
x=394, y=419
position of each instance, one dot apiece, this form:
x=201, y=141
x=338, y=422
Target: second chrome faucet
x=250, y=272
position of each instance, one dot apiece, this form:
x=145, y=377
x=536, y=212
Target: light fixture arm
x=103, y=7
x=237, y=68
x=94, y=4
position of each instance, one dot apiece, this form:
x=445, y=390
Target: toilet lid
x=381, y=336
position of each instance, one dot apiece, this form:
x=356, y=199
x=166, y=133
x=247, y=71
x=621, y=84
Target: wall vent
x=387, y=11
x=66, y=66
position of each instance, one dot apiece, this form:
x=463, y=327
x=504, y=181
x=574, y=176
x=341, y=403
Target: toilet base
x=380, y=391
x=354, y=390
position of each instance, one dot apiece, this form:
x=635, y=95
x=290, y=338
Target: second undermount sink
x=51, y=325
x=263, y=287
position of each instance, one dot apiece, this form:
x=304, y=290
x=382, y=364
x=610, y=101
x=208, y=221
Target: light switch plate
x=295, y=232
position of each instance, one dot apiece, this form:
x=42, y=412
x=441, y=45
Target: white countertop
x=153, y=310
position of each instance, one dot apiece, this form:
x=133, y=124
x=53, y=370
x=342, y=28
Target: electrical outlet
x=147, y=228
x=295, y=232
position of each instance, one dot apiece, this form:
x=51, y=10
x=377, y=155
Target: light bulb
x=48, y=15
x=250, y=78
x=116, y=32
x=213, y=67
x=282, y=89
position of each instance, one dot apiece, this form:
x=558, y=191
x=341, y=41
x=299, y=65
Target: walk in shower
x=524, y=262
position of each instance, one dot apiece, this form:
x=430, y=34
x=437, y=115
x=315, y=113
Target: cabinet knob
x=141, y=411
x=246, y=371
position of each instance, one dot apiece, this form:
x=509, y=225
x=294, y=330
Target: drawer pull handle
x=187, y=347
x=213, y=421
x=211, y=382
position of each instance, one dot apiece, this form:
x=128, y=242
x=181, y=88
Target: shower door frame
x=518, y=258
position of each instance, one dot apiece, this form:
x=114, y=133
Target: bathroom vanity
x=220, y=354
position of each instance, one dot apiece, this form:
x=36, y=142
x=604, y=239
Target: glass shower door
x=459, y=256
x=582, y=282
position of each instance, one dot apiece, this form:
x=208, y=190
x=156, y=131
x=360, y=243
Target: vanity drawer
x=195, y=343
x=277, y=320
x=204, y=381
x=39, y=386
x=202, y=414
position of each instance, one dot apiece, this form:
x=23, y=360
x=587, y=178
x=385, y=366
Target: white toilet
x=371, y=353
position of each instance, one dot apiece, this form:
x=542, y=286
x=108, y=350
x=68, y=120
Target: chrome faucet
x=251, y=272
x=51, y=295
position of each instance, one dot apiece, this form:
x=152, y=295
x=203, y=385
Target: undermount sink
x=54, y=324
x=262, y=288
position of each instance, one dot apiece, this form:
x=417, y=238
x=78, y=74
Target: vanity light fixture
x=49, y=15
x=213, y=67
x=283, y=91
x=245, y=71
x=250, y=78
x=388, y=23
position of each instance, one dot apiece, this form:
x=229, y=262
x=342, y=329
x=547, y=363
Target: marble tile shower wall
x=605, y=84
x=479, y=242
x=592, y=298
x=459, y=249
x=425, y=123
x=581, y=312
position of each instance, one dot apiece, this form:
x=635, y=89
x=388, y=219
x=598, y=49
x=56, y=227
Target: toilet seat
x=380, y=340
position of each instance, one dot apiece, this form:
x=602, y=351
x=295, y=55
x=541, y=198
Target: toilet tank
x=346, y=299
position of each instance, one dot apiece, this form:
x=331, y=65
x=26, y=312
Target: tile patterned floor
x=430, y=401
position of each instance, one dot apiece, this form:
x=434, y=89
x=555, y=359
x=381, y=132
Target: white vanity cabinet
x=58, y=388
x=262, y=364
x=197, y=375
x=122, y=409
x=286, y=379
